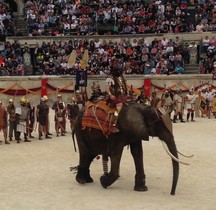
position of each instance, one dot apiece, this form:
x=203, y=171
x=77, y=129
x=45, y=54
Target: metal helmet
x=23, y=100
x=73, y=99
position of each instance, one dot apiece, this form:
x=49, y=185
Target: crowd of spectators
x=161, y=56
x=82, y=17
x=208, y=64
x=66, y=17
x=6, y=21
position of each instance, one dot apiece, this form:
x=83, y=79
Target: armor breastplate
x=24, y=113
x=12, y=113
x=120, y=85
x=59, y=113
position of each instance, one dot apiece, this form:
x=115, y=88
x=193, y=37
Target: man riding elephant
x=116, y=87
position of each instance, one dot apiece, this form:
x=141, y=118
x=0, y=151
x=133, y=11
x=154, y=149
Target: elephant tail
x=73, y=137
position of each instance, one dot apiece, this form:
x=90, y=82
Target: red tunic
x=3, y=118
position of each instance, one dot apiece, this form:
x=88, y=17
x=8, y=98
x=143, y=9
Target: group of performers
x=26, y=119
x=199, y=103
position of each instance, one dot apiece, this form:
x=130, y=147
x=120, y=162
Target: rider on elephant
x=116, y=87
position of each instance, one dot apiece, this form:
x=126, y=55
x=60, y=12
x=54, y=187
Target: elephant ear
x=166, y=120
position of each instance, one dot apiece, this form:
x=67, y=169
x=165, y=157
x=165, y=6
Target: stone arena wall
x=31, y=85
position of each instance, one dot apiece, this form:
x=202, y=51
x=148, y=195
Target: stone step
x=21, y=24
x=191, y=69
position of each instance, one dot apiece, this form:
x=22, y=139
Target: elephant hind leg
x=83, y=176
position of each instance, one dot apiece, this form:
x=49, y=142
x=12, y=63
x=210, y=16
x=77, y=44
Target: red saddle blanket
x=99, y=116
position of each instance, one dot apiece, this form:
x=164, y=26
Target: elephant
x=136, y=122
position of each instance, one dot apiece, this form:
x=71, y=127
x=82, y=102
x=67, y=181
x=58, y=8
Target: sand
x=36, y=175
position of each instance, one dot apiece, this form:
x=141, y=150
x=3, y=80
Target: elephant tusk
x=172, y=156
x=188, y=156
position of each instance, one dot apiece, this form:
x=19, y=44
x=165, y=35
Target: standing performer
x=73, y=111
x=47, y=117
x=60, y=118
x=178, y=106
x=203, y=95
x=3, y=122
x=12, y=119
x=54, y=107
x=30, y=128
x=80, y=100
x=190, y=101
x=209, y=101
x=22, y=118
x=154, y=101
x=167, y=102
x=41, y=114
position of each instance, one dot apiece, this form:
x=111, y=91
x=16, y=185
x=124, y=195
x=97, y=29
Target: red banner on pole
x=43, y=87
x=147, y=87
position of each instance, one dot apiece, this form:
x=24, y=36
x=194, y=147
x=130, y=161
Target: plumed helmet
x=116, y=67
x=116, y=64
x=11, y=100
x=59, y=95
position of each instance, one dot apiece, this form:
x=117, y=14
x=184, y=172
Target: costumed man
x=117, y=92
x=30, y=128
x=209, y=99
x=60, y=118
x=178, y=100
x=167, y=102
x=54, y=107
x=11, y=109
x=203, y=101
x=3, y=122
x=142, y=98
x=80, y=100
x=42, y=112
x=47, y=116
x=73, y=111
x=154, y=101
x=190, y=101
x=22, y=119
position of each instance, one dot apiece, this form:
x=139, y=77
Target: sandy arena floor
x=36, y=175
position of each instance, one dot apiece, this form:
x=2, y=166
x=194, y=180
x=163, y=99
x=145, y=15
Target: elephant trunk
x=165, y=133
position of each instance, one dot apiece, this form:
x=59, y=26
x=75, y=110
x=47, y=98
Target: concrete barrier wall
x=33, y=41
x=68, y=82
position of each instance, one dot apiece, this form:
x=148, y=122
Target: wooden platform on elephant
x=98, y=116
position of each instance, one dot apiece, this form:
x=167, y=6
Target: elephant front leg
x=137, y=153
x=109, y=178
